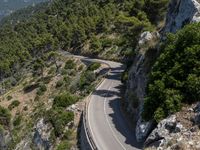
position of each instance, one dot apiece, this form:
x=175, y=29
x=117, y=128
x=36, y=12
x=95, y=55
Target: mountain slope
x=9, y=6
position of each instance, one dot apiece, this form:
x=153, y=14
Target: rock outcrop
x=42, y=135
x=137, y=81
x=179, y=131
x=180, y=13
x=5, y=139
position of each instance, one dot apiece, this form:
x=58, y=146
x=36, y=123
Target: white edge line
x=114, y=135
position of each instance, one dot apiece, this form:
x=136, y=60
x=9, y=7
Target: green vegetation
x=17, y=121
x=70, y=64
x=94, y=66
x=70, y=25
x=64, y=145
x=42, y=89
x=64, y=100
x=9, y=97
x=59, y=119
x=87, y=77
x=5, y=117
x=175, y=77
x=13, y=104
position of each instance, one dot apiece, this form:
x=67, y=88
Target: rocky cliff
x=180, y=13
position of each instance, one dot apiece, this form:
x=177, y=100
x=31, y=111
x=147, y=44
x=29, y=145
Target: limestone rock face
x=180, y=13
x=42, y=135
x=137, y=81
x=5, y=139
x=178, y=131
x=164, y=128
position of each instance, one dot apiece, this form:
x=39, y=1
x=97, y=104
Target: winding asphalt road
x=109, y=129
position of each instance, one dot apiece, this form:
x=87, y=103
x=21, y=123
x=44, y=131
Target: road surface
x=109, y=129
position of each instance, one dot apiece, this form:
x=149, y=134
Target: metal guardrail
x=85, y=115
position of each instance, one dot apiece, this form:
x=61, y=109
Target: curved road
x=109, y=129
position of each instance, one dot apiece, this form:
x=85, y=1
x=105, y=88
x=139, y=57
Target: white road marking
x=113, y=133
x=89, y=113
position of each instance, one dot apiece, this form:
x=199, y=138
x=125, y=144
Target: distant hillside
x=8, y=6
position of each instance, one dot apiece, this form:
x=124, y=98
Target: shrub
x=17, y=121
x=80, y=67
x=64, y=145
x=42, y=89
x=5, y=116
x=14, y=104
x=86, y=79
x=64, y=100
x=94, y=66
x=9, y=97
x=66, y=79
x=64, y=72
x=52, y=70
x=59, y=83
x=46, y=79
x=59, y=119
x=70, y=64
x=68, y=135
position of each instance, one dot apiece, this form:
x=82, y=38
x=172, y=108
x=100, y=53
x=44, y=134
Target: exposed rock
x=175, y=133
x=180, y=13
x=163, y=129
x=5, y=138
x=143, y=129
x=42, y=135
x=145, y=37
x=24, y=144
x=137, y=83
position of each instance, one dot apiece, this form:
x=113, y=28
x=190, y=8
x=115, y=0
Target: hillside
x=159, y=48
x=9, y=6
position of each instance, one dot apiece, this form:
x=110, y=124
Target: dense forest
x=105, y=28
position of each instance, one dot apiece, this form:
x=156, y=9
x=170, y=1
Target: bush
x=46, y=79
x=42, y=89
x=68, y=135
x=64, y=100
x=9, y=97
x=17, y=121
x=59, y=119
x=59, y=83
x=64, y=145
x=86, y=79
x=94, y=66
x=5, y=116
x=52, y=70
x=14, y=104
x=70, y=64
